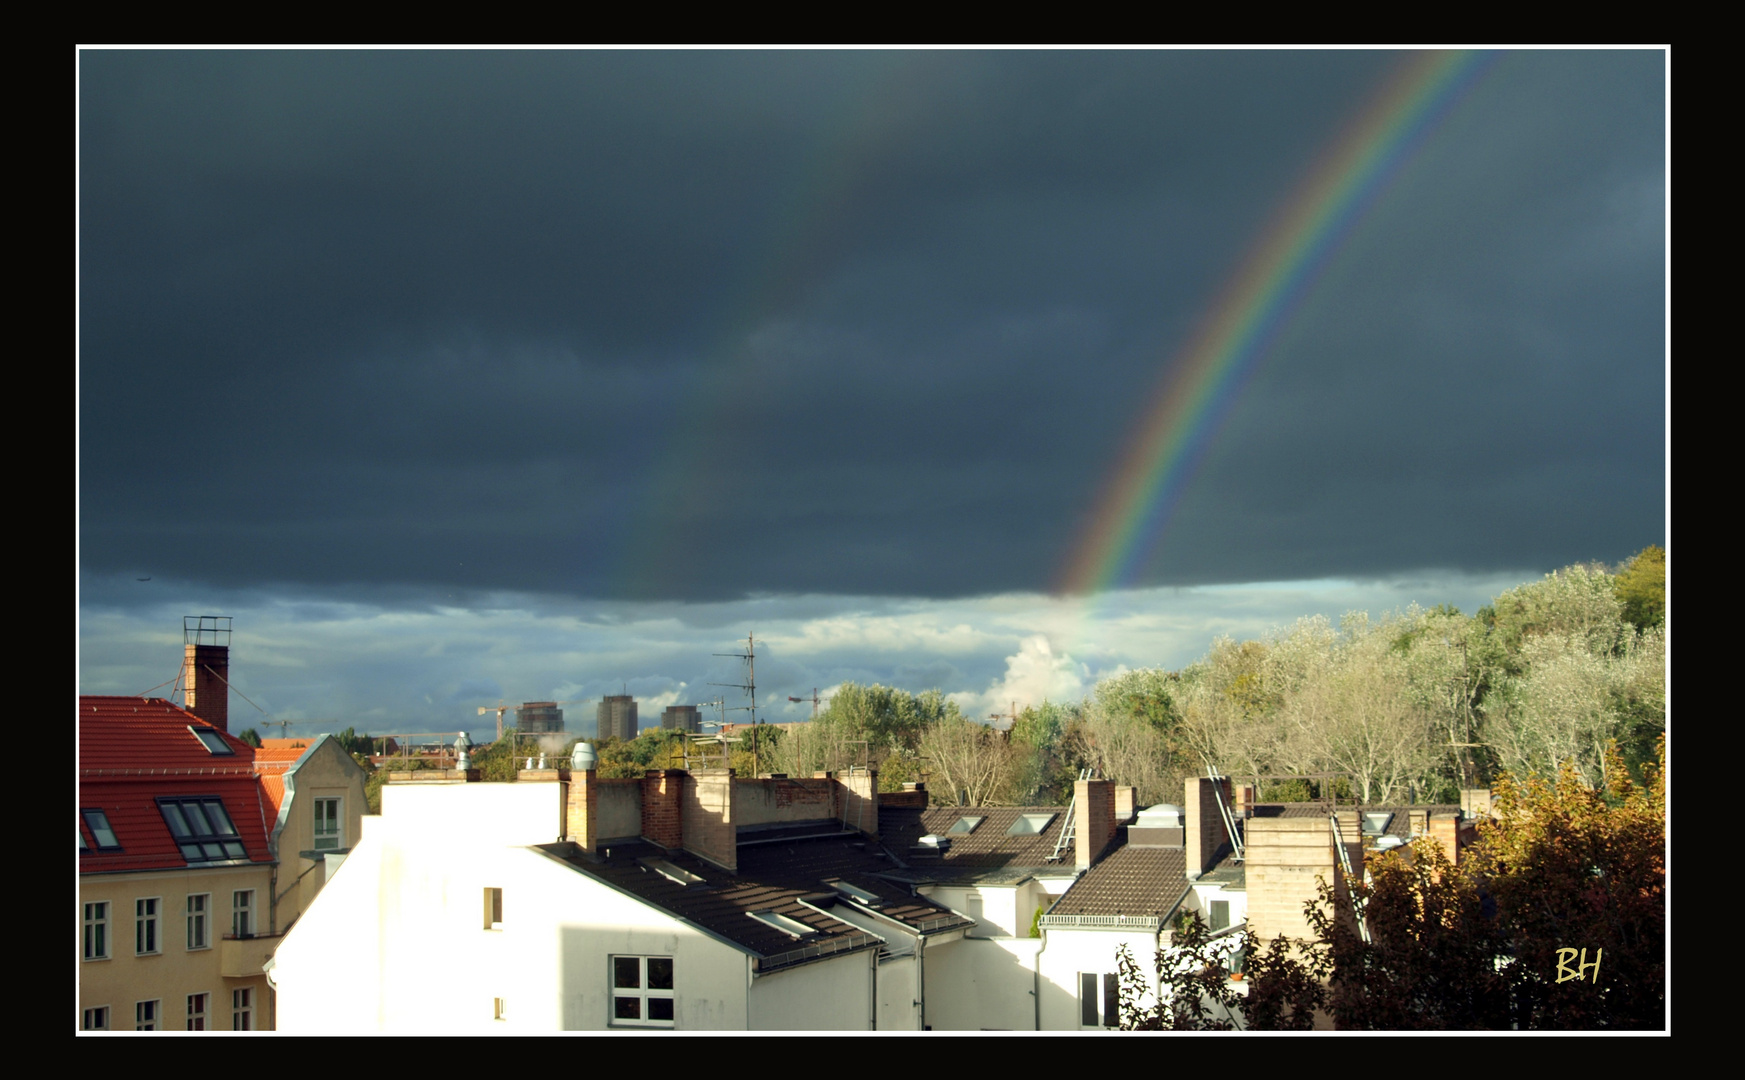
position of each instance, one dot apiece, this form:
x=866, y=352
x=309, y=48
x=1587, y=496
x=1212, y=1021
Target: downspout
x=921, y=978
x=872, y=1020
x=1036, y=988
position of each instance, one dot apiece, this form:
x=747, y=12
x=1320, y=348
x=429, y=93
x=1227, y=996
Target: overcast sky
x=411, y=360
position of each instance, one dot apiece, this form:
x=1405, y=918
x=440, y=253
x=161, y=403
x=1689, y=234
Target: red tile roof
x=271, y=763
x=132, y=751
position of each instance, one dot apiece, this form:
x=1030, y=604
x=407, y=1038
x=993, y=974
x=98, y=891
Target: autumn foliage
x=1498, y=942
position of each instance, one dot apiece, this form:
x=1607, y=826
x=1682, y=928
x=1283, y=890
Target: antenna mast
x=749, y=686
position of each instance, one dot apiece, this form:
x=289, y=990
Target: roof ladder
x=1214, y=775
x=1068, y=825
x=1345, y=865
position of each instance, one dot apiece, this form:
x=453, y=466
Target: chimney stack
x=1205, y=825
x=206, y=668
x=1094, y=806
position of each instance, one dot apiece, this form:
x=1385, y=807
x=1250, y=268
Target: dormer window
x=212, y=741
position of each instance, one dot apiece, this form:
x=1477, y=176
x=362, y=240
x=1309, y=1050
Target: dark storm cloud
x=696, y=325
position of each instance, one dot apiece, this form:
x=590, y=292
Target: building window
x=98, y=822
x=1099, y=1009
x=197, y=1005
x=328, y=835
x=242, y=913
x=202, y=829
x=145, y=1016
x=145, y=926
x=499, y=1011
x=199, y=937
x=642, y=991
x=1220, y=914
x=97, y=931
x=96, y=1019
x=212, y=741
x=493, y=909
x=242, y=1009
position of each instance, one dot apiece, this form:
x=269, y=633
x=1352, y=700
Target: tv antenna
x=749, y=686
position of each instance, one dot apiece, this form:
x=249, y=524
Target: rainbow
x=1202, y=382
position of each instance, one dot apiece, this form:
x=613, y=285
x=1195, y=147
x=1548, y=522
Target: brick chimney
x=582, y=809
x=662, y=813
x=206, y=668
x=1094, y=827
x=1205, y=825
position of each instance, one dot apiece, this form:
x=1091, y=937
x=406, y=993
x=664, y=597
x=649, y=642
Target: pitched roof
x=135, y=751
x=1129, y=881
x=989, y=846
x=787, y=879
x=286, y=744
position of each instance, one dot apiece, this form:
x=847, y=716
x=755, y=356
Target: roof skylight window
x=202, y=829
x=211, y=740
x=1030, y=824
x=794, y=928
x=671, y=871
x=98, y=822
x=855, y=893
x=965, y=826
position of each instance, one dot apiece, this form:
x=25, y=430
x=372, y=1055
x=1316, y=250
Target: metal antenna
x=749, y=686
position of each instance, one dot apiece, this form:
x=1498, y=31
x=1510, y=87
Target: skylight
x=1030, y=824
x=792, y=927
x=202, y=829
x=98, y=822
x=856, y=893
x=671, y=871
x=211, y=740
x=965, y=826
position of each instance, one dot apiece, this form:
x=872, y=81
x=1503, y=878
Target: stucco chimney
x=1126, y=804
x=206, y=668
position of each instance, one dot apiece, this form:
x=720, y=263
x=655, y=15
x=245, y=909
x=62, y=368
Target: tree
x=251, y=737
x=1190, y=989
x=1641, y=588
x=970, y=760
x=1568, y=874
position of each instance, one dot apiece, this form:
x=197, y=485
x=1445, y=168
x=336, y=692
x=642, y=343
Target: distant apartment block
x=540, y=717
x=617, y=716
x=682, y=718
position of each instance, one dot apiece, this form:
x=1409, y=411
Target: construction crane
x=1012, y=716
x=813, y=699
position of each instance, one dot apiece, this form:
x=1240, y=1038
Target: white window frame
x=242, y=1009
x=148, y=1015
x=641, y=993
x=148, y=926
x=334, y=839
x=96, y=1019
x=97, y=930
x=242, y=913
x=493, y=908
x=199, y=921
x=199, y=1011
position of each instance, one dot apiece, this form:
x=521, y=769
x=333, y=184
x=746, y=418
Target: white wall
x=1070, y=952
x=976, y=984
x=397, y=940
x=825, y=995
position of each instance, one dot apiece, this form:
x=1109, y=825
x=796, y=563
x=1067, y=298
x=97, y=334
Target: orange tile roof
x=285, y=744
x=133, y=751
